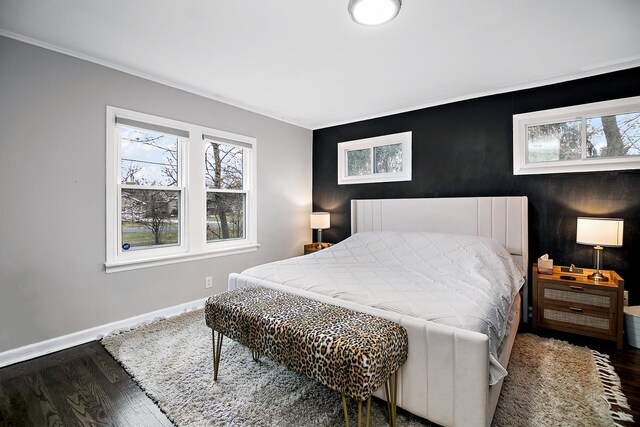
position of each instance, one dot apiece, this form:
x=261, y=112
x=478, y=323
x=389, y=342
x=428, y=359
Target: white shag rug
x=550, y=383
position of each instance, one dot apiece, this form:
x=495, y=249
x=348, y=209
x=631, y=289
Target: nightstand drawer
x=579, y=319
x=578, y=296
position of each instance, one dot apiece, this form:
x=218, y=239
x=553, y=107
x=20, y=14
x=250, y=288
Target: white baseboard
x=31, y=351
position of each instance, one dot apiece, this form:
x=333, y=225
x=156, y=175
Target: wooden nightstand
x=580, y=306
x=313, y=247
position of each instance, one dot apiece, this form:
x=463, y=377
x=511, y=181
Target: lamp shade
x=320, y=220
x=600, y=231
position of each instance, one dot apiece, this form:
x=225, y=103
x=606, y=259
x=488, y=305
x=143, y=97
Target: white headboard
x=503, y=218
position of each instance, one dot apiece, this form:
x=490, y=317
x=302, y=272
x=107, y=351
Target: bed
x=453, y=374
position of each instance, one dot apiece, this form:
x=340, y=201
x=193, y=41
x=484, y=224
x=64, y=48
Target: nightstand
x=579, y=306
x=313, y=247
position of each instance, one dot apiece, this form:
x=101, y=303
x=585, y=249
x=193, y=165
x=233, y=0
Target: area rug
x=550, y=383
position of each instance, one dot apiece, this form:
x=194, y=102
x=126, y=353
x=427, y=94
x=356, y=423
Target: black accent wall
x=465, y=149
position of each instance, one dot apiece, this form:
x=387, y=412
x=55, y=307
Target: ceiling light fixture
x=373, y=12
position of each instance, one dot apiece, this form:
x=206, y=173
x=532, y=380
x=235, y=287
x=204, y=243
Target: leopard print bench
x=350, y=352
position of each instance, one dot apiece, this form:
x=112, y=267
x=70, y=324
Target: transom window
x=588, y=137
x=379, y=159
x=176, y=191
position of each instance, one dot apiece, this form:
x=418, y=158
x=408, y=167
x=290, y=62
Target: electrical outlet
x=626, y=298
x=208, y=282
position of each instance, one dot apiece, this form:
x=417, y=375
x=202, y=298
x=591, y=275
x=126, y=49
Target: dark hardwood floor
x=627, y=365
x=80, y=386
x=85, y=386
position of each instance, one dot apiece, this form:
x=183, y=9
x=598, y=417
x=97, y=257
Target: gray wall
x=52, y=195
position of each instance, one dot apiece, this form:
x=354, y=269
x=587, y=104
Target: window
x=589, y=137
x=379, y=159
x=150, y=187
x=226, y=190
x=176, y=191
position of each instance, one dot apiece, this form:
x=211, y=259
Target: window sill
x=586, y=165
x=374, y=178
x=118, y=266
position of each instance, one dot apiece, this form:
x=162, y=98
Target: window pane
x=613, y=136
x=223, y=166
x=388, y=158
x=150, y=218
x=225, y=215
x=554, y=142
x=359, y=162
x=148, y=158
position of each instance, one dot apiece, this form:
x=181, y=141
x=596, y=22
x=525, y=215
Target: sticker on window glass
x=126, y=247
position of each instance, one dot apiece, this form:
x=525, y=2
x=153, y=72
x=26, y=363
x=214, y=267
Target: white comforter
x=463, y=281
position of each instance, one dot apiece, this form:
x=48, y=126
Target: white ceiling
x=307, y=63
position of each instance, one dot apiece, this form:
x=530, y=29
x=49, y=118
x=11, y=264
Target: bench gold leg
x=255, y=354
x=217, y=349
x=346, y=413
x=386, y=392
x=368, y=410
x=391, y=390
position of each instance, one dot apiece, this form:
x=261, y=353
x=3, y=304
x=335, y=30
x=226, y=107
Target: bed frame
x=446, y=376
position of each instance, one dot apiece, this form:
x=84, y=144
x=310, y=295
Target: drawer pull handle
x=575, y=309
x=577, y=288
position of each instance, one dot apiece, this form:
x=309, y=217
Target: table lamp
x=599, y=232
x=320, y=221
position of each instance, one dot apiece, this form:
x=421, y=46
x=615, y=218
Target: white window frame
x=193, y=240
x=577, y=112
x=403, y=138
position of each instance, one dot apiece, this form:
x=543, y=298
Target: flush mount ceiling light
x=373, y=12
